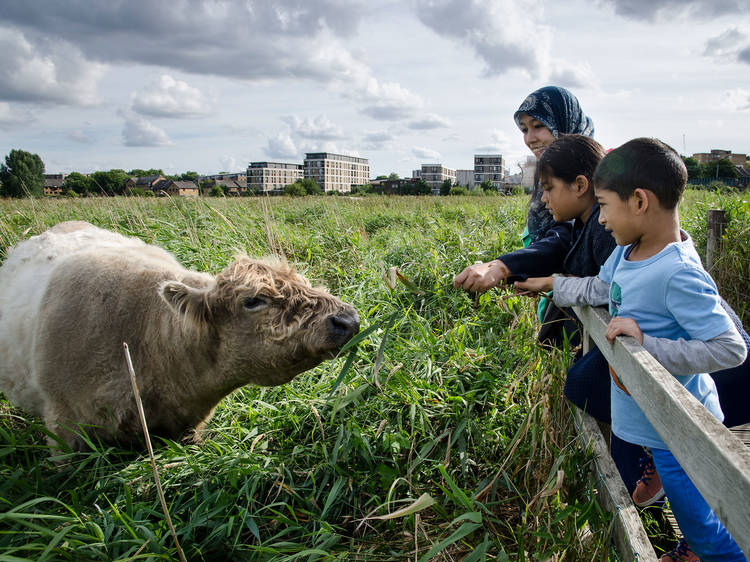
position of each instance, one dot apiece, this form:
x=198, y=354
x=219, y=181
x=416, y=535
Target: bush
x=295, y=189
x=216, y=191
x=458, y=190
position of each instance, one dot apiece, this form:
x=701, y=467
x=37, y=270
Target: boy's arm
x=576, y=291
x=687, y=357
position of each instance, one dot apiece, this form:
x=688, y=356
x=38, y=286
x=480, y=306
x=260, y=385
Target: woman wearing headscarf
x=543, y=116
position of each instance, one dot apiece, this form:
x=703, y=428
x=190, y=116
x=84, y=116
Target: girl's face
x=536, y=135
x=565, y=200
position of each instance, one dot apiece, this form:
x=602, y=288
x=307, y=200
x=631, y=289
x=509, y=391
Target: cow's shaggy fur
x=71, y=296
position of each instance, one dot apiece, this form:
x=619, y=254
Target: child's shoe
x=648, y=489
x=681, y=553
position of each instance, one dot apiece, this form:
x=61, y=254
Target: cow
x=71, y=296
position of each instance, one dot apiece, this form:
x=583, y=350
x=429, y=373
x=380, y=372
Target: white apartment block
x=266, y=177
x=528, y=168
x=465, y=178
x=435, y=174
x=489, y=167
x=336, y=172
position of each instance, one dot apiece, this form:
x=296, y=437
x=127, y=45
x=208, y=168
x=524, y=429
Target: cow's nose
x=341, y=327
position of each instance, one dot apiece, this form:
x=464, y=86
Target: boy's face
x=617, y=216
x=560, y=198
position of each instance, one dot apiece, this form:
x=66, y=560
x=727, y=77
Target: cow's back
x=25, y=279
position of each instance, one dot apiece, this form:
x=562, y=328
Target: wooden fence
x=717, y=462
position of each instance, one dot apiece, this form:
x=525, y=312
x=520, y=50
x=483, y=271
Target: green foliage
x=458, y=190
x=138, y=172
x=216, y=191
x=487, y=185
x=78, y=183
x=109, y=183
x=295, y=189
x=22, y=175
x=445, y=187
x=189, y=176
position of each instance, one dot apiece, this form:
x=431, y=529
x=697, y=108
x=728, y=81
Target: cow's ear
x=190, y=303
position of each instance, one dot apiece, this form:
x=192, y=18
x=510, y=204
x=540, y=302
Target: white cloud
x=170, y=98
x=45, y=71
x=388, y=101
x=229, y=164
x=575, y=76
x=425, y=153
x=13, y=117
x=281, y=146
x=318, y=127
x=737, y=99
x=79, y=136
x=496, y=30
x=377, y=140
x=499, y=143
x=429, y=121
x=140, y=132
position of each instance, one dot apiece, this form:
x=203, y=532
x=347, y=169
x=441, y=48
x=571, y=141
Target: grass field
x=448, y=406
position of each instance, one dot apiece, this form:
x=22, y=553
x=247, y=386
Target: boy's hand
x=623, y=327
x=481, y=277
x=535, y=284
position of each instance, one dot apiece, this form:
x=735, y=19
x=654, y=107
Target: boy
x=659, y=293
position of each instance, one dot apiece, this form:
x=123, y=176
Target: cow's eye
x=252, y=303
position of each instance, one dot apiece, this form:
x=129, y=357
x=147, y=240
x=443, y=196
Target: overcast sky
x=212, y=85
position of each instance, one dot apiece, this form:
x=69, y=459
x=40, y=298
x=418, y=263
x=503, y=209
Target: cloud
x=730, y=45
x=229, y=164
x=282, y=146
x=45, y=71
x=429, y=121
x=388, y=101
x=571, y=75
x=653, y=10
x=425, y=153
x=377, y=140
x=496, y=30
x=170, y=98
x=318, y=127
x=79, y=136
x=499, y=143
x=13, y=117
x=140, y=132
x=737, y=99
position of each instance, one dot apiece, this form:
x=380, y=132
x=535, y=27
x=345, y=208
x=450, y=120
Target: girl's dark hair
x=570, y=156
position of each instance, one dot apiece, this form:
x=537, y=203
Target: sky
x=212, y=85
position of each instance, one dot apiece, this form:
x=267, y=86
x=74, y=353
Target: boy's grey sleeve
x=687, y=357
x=576, y=291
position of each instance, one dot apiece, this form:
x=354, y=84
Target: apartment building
x=435, y=174
x=718, y=154
x=489, y=167
x=270, y=177
x=336, y=172
x=528, y=169
x=465, y=178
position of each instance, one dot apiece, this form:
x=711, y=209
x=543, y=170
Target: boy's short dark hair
x=643, y=163
x=570, y=156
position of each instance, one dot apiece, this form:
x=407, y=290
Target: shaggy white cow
x=71, y=296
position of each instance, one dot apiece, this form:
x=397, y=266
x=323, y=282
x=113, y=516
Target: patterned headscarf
x=560, y=112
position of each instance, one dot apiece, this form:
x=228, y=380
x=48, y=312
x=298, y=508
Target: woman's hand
x=535, y=284
x=623, y=327
x=481, y=277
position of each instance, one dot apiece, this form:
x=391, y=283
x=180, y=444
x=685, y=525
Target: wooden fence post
x=717, y=222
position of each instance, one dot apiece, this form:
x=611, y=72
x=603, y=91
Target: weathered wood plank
x=717, y=462
x=629, y=536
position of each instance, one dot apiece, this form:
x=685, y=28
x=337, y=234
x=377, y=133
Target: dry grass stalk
x=142, y=416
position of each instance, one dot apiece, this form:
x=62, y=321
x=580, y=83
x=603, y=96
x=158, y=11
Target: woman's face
x=536, y=135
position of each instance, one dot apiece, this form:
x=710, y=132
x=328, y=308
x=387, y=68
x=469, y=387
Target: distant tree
x=445, y=187
x=189, y=176
x=694, y=168
x=144, y=173
x=295, y=189
x=381, y=178
x=109, y=183
x=418, y=187
x=216, y=191
x=309, y=185
x=458, y=190
x=393, y=176
x=22, y=175
x=487, y=185
x=722, y=169
x=78, y=183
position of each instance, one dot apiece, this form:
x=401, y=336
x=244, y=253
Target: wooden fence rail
x=717, y=462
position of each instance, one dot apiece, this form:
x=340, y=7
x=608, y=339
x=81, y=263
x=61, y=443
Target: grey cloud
x=377, y=140
x=425, y=153
x=744, y=55
x=80, y=137
x=729, y=45
x=14, y=117
x=488, y=28
x=224, y=37
x=140, y=132
x=386, y=112
x=45, y=71
x=430, y=121
x=652, y=10
x=170, y=98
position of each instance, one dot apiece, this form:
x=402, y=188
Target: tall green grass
x=447, y=399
